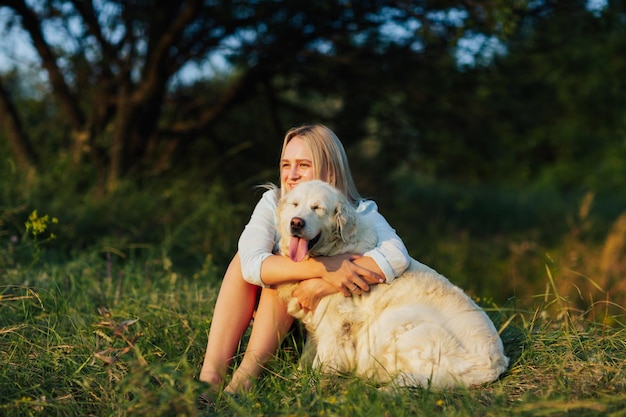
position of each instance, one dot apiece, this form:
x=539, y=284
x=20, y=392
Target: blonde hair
x=330, y=162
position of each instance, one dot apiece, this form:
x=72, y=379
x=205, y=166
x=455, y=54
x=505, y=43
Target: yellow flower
x=37, y=225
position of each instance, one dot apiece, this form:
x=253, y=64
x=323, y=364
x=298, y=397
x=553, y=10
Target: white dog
x=420, y=330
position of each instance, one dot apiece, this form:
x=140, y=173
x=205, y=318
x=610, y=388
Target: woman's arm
x=257, y=240
x=309, y=292
x=341, y=271
x=260, y=267
x=388, y=259
x=390, y=254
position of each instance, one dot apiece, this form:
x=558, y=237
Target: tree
x=112, y=64
x=548, y=109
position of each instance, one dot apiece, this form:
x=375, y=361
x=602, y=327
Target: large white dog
x=420, y=330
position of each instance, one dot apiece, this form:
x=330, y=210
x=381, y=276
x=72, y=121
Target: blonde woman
x=309, y=152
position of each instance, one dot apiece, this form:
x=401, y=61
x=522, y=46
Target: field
x=107, y=336
x=93, y=323
x=133, y=139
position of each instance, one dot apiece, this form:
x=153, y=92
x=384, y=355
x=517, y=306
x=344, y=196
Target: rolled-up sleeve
x=258, y=238
x=390, y=254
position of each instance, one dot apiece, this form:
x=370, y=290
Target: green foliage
x=184, y=221
x=127, y=114
x=493, y=240
x=545, y=114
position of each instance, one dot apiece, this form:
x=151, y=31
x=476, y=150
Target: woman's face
x=297, y=164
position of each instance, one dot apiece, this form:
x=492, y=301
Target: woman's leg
x=233, y=311
x=271, y=324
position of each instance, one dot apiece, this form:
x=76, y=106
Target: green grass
x=106, y=337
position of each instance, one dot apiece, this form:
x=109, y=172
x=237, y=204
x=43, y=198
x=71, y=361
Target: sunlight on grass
x=74, y=343
x=121, y=330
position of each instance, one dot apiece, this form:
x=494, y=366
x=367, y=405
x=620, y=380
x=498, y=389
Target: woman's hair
x=330, y=162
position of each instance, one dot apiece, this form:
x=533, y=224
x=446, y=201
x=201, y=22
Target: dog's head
x=314, y=219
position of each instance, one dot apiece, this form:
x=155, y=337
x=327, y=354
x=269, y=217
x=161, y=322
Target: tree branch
x=87, y=13
x=229, y=97
x=61, y=90
x=156, y=70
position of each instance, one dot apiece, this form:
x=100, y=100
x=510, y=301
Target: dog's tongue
x=298, y=248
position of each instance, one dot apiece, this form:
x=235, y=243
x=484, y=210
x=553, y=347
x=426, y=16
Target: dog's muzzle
x=297, y=225
x=299, y=246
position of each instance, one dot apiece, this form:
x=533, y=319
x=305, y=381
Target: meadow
x=119, y=328
x=124, y=185
x=105, y=338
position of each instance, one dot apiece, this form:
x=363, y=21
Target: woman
x=309, y=152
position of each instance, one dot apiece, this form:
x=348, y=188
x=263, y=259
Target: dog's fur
x=420, y=330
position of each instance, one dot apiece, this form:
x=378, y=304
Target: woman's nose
x=293, y=172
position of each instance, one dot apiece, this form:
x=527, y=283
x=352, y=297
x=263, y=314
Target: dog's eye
x=294, y=203
x=318, y=209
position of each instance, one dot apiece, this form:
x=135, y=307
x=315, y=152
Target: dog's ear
x=345, y=219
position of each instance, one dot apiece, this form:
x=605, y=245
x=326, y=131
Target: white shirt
x=259, y=240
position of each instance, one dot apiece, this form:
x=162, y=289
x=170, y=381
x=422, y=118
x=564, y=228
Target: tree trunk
x=20, y=144
x=63, y=93
x=119, y=143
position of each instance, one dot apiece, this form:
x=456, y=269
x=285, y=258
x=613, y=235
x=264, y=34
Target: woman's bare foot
x=214, y=379
x=241, y=382
x=214, y=382
x=209, y=397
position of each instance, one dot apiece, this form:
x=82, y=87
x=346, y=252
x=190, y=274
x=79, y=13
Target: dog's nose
x=297, y=224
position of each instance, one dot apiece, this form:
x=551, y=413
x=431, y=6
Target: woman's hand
x=347, y=276
x=310, y=291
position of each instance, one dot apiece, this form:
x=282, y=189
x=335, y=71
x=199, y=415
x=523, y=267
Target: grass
x=106, y=337
x=101, y=326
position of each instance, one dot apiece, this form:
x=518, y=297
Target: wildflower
x=37, y=225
